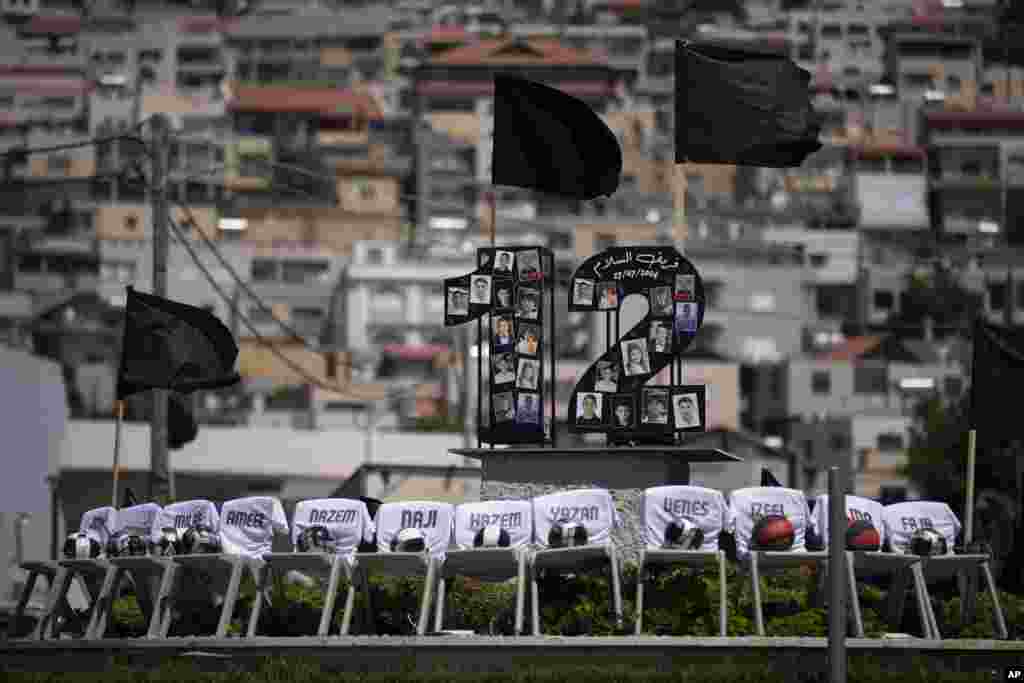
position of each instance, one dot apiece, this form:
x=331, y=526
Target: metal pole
x=160, y=484
x=836, y=577
x=972, y=439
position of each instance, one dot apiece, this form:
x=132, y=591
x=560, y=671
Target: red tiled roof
x=489, y=52
x=486, y=88
x=852, y=349
x=55, y=24
x=875, y=151
x=58, y=87
x=204, y=24
x=940, y=120
x=446, y=34
x=325, y=101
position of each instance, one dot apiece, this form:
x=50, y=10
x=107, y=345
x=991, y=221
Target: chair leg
x=104, y=603
x=851, y=577
x=350, y=596
x=330, y=597
x=368, y=615
x=897, y=598
x=641, y=579
x=160, y=621
x=228, y=608
x=439, y=611
x=924, y=603
x=755, y=582
x=428, y=588
x=535, y=601
x=19, y=612
x=257, y=605
x=723, y=596
x=616, y=586
x=48, y=627
x=997, y=608
x=520, y=592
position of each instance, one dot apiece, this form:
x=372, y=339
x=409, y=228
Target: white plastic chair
x=489, y=564
x=901, y=521
x=435, y=521
x=662, y=505
x=348, y=522
x=595, y=510
x=100, y=523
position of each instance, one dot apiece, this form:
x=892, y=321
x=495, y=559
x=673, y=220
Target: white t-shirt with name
x=663, y=505
x=347, y=520
x=903, y=519
x=138, y=520
x=593, y=508
x=747, y=506
x=100, y=523
x=187, y=513
x=514, y=516
x=857, y=508
x=247, y=525
x=432, y=518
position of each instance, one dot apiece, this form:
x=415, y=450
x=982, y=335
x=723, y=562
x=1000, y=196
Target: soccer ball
x=684, y=535
x=314, y=539
x=409, y=541
x=491, y=537
x=200, y=540
x=773, y=533
x=169, y=543
x=127, y=545
x=927, y=542
x=81, y=546
x=565, y=534
x=862, y=535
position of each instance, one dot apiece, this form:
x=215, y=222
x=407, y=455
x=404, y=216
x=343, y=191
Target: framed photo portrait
x=503, y=331
x=504, y=407
x=528, y=265
x=689, y=411
x=504, y=365
x=607, y=296
x=528, y=408
x=661, y=336
x=528, y=303
x=529, y=372
x=661, y=301
x=480, y=290
x=583, y=292
x=635, y=359
x=503, y=261
x=484, y=258
x=457, y=301
x=686, y=317
x=528, y=339
x=654, y=404
x=607, y=377
x=502, y=294
x=623, y=412
x=588, y=408
x=686, y=286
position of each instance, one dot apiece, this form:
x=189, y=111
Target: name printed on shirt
x=505, y=520
x=759, y=510
x=585, y=513
x=183, y=521
x=332, y=516
x=680, y=507
x=419, y=519
x=915, y=523
x=859, y=516
x=256, y=520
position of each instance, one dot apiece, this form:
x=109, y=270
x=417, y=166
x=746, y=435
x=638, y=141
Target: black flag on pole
x=170, y=345
x=182, y=428
x=548, y=141
x=997, y=374
x=739, y=106
x=768, y=479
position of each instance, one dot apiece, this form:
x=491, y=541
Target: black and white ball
x=491, y=537
x=683, y=534
x=314, y=539
x=127, y=545
x=567, y=535
x=927, y=542
x=409, y=541
x=81, y=546
x=168, y=543
x=200, y=540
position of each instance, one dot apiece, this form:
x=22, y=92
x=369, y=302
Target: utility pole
x=160, y=481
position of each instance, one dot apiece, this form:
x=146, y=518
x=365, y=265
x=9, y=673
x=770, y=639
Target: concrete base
x=788, y=656
x=524, y=473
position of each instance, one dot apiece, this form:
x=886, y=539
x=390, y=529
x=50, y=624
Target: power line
x=28, y=151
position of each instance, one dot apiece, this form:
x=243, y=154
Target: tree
x=938, y=296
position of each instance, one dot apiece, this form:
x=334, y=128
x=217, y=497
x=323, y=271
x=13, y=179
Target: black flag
x=738, y=106
x=170, y=345
x=997, y=374
x=768, y=479
x=182, y=428
x=548, y=141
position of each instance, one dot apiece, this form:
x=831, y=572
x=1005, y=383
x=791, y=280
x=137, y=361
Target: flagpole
x=118, y=420
x=972, y=439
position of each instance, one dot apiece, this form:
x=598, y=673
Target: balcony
x=343, y=138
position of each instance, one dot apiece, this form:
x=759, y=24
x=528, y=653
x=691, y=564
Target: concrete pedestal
x=524, y=473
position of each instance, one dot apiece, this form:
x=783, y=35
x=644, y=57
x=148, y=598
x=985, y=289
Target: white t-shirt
x=138, y=520
x=187, y=513
x=665, y=504
x=100, y=523
x=433, y=519
x=857, y=508
x=748, y=505
x=903, y=519
x=247, y=525
x=593, y=508
x=515, y=516
x=347, y=520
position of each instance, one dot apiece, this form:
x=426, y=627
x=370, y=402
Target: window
x=870, y=379
x=890, y=441
x=884, y=300
x=131, y=223
x=996, y=296
x=953, y=386
x=388, y=304
x=375, y=255
x=307, y=315
x=838, y=442
x=821, y=382
x=118, y=271
x=303, y=272
x=59, y=164
x=818, y=260
x=264, y=270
